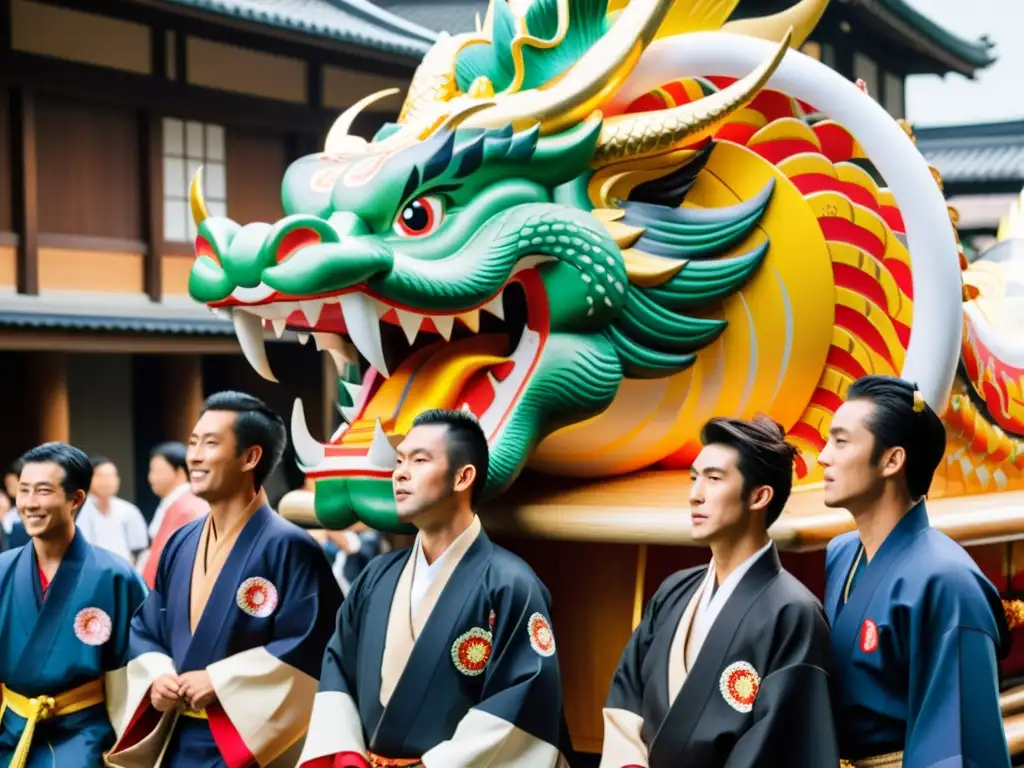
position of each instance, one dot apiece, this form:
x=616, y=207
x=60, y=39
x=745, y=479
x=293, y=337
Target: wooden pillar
x=25, y=188
x=151, y=175
x=48, y=379
x=181, y=394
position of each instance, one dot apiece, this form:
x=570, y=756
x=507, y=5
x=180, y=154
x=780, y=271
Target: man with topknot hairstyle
x=916, y=627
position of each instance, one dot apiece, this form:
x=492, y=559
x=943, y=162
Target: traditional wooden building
x=107, y=107
x=982, y=167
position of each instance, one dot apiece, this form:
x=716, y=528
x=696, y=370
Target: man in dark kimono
x=727, y=666
x=225, y=653
x=65, y=611
x=444, y=656
x=916, y=626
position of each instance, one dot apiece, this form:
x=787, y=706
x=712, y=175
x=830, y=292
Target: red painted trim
x=341, y=760
x=140, y=726
x=861, y=327
x=845, y=231
x=234, y=751
x=860, y=282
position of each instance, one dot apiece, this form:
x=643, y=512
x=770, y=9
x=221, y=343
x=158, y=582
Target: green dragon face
x=470, y=272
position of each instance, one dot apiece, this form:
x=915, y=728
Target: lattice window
x=187, y=145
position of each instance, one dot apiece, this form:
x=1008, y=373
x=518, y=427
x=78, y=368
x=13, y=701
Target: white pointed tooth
x=471, y=320
x=249, y=330
x=279, y=326
x=328, y=341
x=222, y=313
x=495, y=307
x=307, y=448
x=311, y=311
x=342, y=429
x=381, y=453
x=362, y=321
x=444, y=324
x=303, y=338
x=410, y=323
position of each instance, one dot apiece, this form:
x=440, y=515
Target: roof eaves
x=83, y=322
x=962, y=55
x=392, y=35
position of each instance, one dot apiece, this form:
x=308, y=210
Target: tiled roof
x=981, y=154
x=358, y=22
x=452, y=16
x=904, y=22
x=105, y=312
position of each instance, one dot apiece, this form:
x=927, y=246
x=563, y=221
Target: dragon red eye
x=419, y=218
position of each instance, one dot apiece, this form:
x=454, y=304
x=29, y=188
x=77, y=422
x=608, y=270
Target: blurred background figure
x=12, y=532
x=168, y=478
x=109, y=521
x=350, y=551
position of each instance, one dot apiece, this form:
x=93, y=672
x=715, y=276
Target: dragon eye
x=419, y=218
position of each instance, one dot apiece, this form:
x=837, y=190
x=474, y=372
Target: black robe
x=757, y=693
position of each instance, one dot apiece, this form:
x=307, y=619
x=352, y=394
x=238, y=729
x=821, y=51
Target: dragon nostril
x=203, y=248
x=296, y=240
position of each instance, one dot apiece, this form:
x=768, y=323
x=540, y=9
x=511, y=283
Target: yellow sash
x=199, y=714
x=43, y=708
x=891, y=760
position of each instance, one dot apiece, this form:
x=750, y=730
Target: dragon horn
x=588, y=83
x=338, y=136
x=641, y=134
x=195, y=197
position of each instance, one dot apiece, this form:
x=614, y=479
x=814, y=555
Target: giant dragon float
x=595, y=224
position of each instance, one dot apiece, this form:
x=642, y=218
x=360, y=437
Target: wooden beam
x=249, y=34
x=151, y=176
x=25, y=188
x=189, y=102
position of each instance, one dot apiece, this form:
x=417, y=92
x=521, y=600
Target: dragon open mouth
x=478, y=360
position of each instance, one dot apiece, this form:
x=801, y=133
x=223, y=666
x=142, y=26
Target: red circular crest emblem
x=541, y=637
x=739, y=685
x=471, y=651
x=869, y=636
x=257, y=597
x=92, y=626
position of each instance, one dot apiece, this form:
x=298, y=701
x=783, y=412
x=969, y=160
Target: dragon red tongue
x=434, y=377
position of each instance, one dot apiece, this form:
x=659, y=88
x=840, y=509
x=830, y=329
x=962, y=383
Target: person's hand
x=197, y=689
x=165, y=693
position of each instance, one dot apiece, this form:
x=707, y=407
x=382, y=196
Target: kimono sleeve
x=335, y=737
x=264, y=695
x=518, y=722
x=953, y=709
x=792, y=714
x=623, y=719
x=146, y=658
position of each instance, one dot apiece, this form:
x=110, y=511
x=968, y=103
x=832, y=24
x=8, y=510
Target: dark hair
x=99, y=460
x=255, y=424
x=896, y=423
x=465, y=442
x=76, y=465
x=765, y=458
x=15, y=468
x=173, y=453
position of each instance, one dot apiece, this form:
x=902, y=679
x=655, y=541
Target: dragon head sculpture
x=593, y=245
